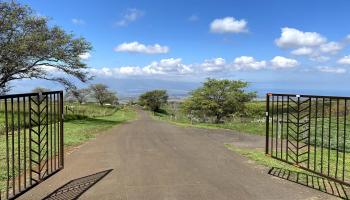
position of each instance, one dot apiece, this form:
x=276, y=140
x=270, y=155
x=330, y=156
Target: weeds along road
x=158, y=161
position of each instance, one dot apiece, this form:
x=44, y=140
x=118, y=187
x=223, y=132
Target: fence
x=310, y=132
x=31, y=140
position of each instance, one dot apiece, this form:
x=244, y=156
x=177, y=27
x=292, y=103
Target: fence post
x=61, y=129
x=267, y=122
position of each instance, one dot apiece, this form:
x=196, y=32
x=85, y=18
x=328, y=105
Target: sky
x=289, y=46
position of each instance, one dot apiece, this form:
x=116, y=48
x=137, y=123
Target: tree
x=40, y=90
x=218, y=98
x=30, y=48
x=103, y=95
x=79, y=95
x=153, y=99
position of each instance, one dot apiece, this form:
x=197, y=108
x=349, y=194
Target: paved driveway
x=155, y=160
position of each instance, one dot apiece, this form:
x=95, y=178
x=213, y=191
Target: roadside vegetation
x=217, y=104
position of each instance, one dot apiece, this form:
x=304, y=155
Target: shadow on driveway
x=315, y=182
x=75, y=188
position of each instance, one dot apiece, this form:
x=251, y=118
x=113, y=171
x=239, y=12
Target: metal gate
x=310, y=132
x=31, y=140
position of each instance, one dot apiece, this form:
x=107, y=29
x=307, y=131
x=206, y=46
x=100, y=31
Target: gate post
x=267, y=122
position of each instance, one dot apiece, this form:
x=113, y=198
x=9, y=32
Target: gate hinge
x=267, y=114
x=62, y=116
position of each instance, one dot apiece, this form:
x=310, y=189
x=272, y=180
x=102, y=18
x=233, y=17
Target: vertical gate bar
x=344, y=139
x=329, y=134
x=315, y=140
x=62, y=130
x=13, y=149
x=7, y=150
x=267, y=123
x=47, y=133
x=322, y=133
x=287, y=128
x=308, y=135
x=282, y=127
x=30, y=140
x=277, y=126
x=58, y=131
x=54, y=110
x=337, y=159
x=25, y=143
x=19, y=144
x=298, y=131
x=38, y=96
x=272, y=113
x=51, y=133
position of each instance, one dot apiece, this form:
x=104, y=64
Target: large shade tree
x=103, y=94
x=154, y=99
x=218, y=99
x=30, y=48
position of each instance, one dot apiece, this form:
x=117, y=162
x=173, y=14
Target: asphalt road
x=155, y=160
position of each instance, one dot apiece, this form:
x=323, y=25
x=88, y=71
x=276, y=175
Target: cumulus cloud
x=291, y=37
x=282, y=62
x=335, y=70
x=344, y=60
x=136, y=47
x=165, y=66
x=302, y=51
x=78, y=21
x=213, y=65
x=247, y=62
x=131, y=15
x=228, y=25
x=170, y=66
x=331, y=47
x=85, y=56
x=318, y=58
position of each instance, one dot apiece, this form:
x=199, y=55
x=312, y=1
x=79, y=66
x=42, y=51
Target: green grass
x=76, y=132
x=79, y=131
x=244, y=126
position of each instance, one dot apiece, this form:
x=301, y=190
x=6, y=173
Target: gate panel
x=31, y=140
x=310, y=132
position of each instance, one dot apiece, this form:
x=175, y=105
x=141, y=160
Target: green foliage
x=154, y=99
x=40, y=90
x=78, y=95
x=30, y=48
x=103, y=95
x=218, y=98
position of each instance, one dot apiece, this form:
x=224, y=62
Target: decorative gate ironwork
x=310, y=132
x=31, y=140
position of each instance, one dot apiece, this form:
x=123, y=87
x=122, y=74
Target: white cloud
x=78, y=21
x=282, y=62
x=291, y=37
x=166, y=66
x=213, y=65
x=344, y=60
x=228, y=25
x=335, y=70
x=193, y=18
x=247, y=62
x=170, y=66
x=85, y=56
x=136, y=47
x=331, y=47
x=302, y=51
x=131, y=15
x=319, y=58
x=129, y=70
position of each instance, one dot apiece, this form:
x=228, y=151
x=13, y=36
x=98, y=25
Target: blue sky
x=279, y=46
